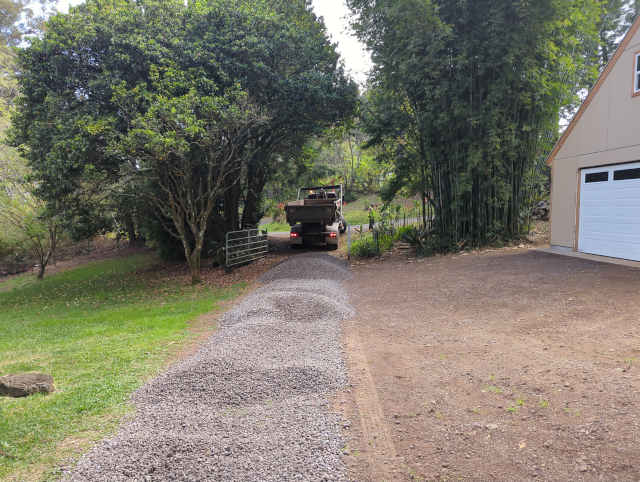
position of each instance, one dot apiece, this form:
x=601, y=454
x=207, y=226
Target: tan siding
x=593, y=125
x=568, y=149
x=618, y=156
x=563, y=206
x=592, y=160
x=624, y=120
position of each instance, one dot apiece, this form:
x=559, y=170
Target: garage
x=595, y=165
x=609, y=222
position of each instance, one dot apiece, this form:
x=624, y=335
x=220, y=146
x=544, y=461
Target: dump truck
x=316, y=217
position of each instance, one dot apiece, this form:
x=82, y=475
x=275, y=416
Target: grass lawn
x=357, y=212
x=276, y=227
x=101, y=330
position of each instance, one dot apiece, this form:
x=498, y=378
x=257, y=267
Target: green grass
x=276, y=227
x=356, y=217
x=357, y=212
x=101, y=330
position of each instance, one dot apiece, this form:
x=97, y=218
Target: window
x=625, y=174
x=597, y=176
x=636, y=75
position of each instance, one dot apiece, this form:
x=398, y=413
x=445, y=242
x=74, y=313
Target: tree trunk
x=131, y=229
x=233, y=196
x=194, y=265
x=255, y=185
x=424, y=210
x=53, y=239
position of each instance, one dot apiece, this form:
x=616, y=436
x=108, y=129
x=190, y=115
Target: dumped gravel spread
x=251, y=404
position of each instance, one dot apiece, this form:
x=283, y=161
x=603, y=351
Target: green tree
x=617, y=18
x=478, y=88
x=71, y=121
x=185, y=145
x=22, y=211
x=278, y=51
x=18, y=19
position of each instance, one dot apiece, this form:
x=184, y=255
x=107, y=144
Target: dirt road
x=493, y=367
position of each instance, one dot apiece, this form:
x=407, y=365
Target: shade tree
x=273, y=58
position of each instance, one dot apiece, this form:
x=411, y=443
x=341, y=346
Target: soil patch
x=509, y=365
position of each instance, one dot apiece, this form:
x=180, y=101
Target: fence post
x=348, y=242
x=226, y=251
x=17, y=265
x=89, y=248
x=376, y=239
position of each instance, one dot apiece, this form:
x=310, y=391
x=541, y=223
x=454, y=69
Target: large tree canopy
x=473, y=91
x=73, y=82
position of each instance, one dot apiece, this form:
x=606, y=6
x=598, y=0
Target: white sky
x=357, y=60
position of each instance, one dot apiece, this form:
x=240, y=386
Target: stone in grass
x=25, y=384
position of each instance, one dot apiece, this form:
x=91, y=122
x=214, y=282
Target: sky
x=357, y=60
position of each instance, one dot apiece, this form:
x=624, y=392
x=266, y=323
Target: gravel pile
x=251, y=404
x=309, y=266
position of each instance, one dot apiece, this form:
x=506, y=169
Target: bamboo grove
x=471, y=95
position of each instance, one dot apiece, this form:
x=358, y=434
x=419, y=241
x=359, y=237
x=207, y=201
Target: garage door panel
x=593, y=227
x=609, y=213
x=625, y=229
x=594, y=244
x=627, y=193
x=625, y=211
x=619, y=247
x=598, y=210
x=592, y=194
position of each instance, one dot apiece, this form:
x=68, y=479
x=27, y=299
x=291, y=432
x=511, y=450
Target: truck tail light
x=294, y=235
x=332, y=235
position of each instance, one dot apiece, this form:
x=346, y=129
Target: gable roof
x=594, y=90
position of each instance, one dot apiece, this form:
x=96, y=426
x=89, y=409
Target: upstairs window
x=636, y=75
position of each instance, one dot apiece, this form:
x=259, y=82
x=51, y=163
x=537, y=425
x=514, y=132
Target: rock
x=583, y=468
x=540, y=211
x=25, y=384
x=492, y=426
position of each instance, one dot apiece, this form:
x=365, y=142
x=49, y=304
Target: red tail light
x=332, y=235
x=294, y=235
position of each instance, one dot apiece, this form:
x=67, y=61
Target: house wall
x=608, y=132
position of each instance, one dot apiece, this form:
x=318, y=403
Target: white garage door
x=610, y=211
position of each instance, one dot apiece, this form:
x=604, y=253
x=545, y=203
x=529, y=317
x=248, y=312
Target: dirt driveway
x=493, y=367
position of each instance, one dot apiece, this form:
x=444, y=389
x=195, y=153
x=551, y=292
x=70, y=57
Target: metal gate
x=245, y=246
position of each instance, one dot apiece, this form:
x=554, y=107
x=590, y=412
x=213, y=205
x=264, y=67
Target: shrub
x=409, y=229
x=350, y=197
x=411, y=236
x=365, y=246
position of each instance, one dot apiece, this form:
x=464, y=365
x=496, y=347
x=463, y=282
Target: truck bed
x=311, y=211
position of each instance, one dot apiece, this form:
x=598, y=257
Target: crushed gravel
x=309, y=266
x=251, y=404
